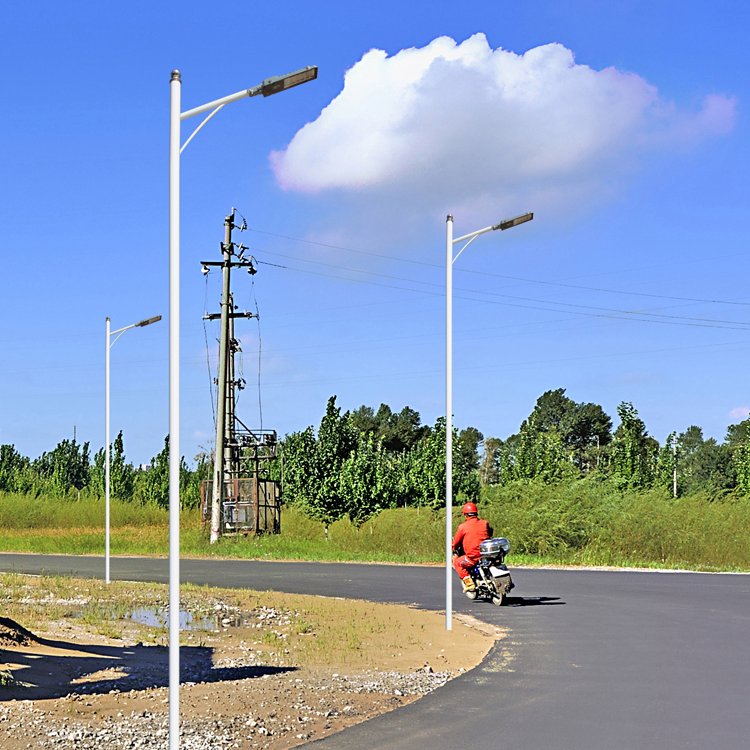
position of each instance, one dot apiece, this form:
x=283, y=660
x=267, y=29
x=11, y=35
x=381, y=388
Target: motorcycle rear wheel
x=472, y=595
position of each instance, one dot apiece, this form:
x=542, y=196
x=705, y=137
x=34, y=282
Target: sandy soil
x=267, y=679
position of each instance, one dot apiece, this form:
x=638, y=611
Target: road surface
x=594, y=660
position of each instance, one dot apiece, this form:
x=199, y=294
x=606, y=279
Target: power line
x=601, y=312
x=526, y=280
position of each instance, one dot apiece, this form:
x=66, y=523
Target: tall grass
x=28, y=512
x=590, y=521
x=587, y=521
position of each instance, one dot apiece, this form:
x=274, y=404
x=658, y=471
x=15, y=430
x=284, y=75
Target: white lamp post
x=266, y=88
x=109, y=345
x=467, y=239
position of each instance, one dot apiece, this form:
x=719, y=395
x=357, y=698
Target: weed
x=586, y=521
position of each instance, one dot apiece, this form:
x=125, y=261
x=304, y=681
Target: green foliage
x=738, y=444
x=692, y=531
x=741, y=463
x=366, y=480
x=121, y=473
x=581, y=426
x=152, y=484
x=559, y=439
x=548, y=519
x=348, y=470
x=63, y=469
x=702, y=464
x=666, y=462
x=15, y=470
x=634, y=453
x=398, y=432
x=587, y=521
x=425, y=468
x=313, y=465
x=191, y=496
x=489, y=467
x=541, y=454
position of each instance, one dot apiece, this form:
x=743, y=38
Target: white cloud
x=451, y=124
x=740, y=413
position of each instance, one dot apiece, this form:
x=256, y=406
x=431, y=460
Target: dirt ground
x=273, y=675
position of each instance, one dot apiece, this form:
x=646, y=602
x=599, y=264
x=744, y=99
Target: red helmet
x=469, y=509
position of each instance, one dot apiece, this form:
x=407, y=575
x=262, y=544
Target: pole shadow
x=53, y=669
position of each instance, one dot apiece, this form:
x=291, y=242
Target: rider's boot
x=468, y=584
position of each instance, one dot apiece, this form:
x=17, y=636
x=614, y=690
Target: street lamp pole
x=450, y=259
x=107, y=459
x=267, y=87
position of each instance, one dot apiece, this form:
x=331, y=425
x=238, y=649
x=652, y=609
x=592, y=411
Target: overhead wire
x=601, y=312
x=526, y=280
x=208, y=356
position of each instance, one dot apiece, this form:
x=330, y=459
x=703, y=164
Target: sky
x=621, y=125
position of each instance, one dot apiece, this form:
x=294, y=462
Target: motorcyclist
x=469, y=535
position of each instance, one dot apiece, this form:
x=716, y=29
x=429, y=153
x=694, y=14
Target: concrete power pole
x=223, y=455
x=674, y=465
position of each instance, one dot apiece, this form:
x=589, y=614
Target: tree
x=489, y=464
x=152, y=484
x=702, y=464
x=667, y=462
x=64, y=468
x=398, y=432
x=540, y=454
x=634, y=452
x=312, y=465
x=738, y=444
x=466, y=461
x=121, y=473
x=15, y=471
x=583, y=428
x=426, y=468
x=367, y=482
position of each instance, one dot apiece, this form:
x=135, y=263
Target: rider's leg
x=462, y=565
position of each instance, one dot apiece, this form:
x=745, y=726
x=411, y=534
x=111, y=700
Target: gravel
x=294, y=710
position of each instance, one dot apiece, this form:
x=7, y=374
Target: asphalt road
x=594, y=660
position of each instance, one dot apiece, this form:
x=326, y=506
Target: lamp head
x=290, y=80
x=510, y=223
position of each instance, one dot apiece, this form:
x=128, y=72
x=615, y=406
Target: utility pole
x=674, y=464
x=242, y=497
x=225, y=378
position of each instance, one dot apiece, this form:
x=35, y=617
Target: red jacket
x=470, y=534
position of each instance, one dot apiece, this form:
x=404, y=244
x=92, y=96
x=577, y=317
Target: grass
x=586, y=522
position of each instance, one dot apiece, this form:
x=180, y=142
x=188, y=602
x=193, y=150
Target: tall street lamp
x=267, y=87
x=467, y=239
x=109, y=344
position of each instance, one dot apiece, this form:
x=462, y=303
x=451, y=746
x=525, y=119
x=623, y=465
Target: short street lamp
x=267, y=87
x=109, y=345
x=450, y=260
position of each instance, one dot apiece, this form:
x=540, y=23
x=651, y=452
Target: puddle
x=157, y=617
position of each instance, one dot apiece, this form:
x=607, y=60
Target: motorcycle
x=491, y=576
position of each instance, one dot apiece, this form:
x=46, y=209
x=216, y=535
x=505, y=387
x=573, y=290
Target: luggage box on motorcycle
x=493, y=547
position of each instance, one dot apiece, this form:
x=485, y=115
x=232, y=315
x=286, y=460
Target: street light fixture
x=109, y=345
x=267, y=87
x=450, y=260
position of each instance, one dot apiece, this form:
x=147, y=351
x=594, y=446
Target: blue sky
x=621, y=125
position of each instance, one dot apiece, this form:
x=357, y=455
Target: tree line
x=562, y=439
x=360, y=462
x=69, y=471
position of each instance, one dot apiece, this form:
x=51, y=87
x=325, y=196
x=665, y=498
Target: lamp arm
x=464, y=247
x=195, y=132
